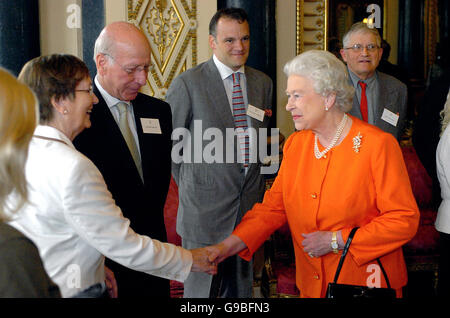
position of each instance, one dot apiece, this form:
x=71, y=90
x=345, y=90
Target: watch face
x=334, y=245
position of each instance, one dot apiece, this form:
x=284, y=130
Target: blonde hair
x=18, y=119
x=445, y=114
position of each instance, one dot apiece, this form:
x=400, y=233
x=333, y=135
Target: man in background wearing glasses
x=380, y=99
x=130, y=143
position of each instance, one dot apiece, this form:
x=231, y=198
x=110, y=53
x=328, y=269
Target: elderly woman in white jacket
x=71, y=216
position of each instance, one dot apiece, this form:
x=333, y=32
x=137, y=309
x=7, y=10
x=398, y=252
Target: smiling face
x=79, y=108
x=232, y=42
x=365, y=62
x=306, y=106
x=123, y=60
x=126, y=72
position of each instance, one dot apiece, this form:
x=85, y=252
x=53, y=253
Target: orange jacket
x=369, y=189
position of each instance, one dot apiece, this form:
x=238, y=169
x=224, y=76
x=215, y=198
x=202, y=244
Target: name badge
x=255, y=112
x=151, y=126
x=390, y=117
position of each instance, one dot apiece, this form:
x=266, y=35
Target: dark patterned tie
x=240, y=118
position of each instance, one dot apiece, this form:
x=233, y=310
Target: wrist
x=334, y=243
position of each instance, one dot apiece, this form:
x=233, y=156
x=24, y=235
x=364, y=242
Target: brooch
x=357, y=142
x=268, y=112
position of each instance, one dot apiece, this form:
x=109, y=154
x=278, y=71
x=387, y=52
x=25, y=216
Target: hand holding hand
x=228, y=247
x=201, y=261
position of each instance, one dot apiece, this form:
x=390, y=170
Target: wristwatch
x=334, y=243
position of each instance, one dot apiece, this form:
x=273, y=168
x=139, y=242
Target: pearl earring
x=326, y=108
x=65, y=112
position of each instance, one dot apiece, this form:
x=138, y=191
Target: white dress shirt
x=111, y=101
x=74, y=221
x=226, y=75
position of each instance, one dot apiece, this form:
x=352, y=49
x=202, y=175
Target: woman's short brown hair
x=55, y=75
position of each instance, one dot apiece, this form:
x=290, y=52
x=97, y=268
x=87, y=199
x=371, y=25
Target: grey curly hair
x=327, y=72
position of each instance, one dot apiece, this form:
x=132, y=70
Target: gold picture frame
x=311, y=25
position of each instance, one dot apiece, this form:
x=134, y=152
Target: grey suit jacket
x=393, y=96
x=214, y=196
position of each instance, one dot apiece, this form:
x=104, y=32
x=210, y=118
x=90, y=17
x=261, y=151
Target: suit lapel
x=103, y=117
x=254, y=94
x=105, y=123
x=383, y=99
x=216, y=91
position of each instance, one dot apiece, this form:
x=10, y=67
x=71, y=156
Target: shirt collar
x=224, y=70
x=110, y=100
x=355, y=79
x=53, y=133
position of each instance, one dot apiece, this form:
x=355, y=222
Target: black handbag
x=343, y=291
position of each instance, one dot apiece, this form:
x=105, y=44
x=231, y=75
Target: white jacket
x=74, y=221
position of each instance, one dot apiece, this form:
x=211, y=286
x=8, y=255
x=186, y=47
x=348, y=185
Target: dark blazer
x=141, y=202
x=393, y=96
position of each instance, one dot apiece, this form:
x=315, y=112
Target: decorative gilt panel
x=311, y=25
x=171, y=28
x=431, y=22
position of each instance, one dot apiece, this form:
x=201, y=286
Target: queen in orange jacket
x=338, y=172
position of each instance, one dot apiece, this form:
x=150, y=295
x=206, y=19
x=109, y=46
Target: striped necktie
x=240, y=118
x=128, y=135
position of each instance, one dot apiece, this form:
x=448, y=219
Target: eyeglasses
x=359, y=48
x=90, y=90
x=131, y=70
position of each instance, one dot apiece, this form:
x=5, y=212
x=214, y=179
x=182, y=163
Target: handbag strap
x=344, y=253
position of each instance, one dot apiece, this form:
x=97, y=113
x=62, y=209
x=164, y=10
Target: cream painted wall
x=115, y=10
x=391, y=25
x=286, y=16
x=205, y=11
x=56, y=34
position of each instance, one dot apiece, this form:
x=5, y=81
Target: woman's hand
x=318, y=243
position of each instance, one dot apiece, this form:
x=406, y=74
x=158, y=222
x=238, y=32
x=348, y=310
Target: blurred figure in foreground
x=22, y=273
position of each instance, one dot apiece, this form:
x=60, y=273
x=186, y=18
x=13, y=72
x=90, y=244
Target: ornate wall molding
x=171, y=28
x=431, y=24
x=311, y=25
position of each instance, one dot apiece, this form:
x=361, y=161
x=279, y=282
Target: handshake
x=205, y=259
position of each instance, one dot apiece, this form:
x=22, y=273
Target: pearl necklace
x=320, y=154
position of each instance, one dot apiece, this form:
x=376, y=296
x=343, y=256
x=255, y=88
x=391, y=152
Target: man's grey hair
x=104, y=45
x=357, y=28
x=328, y=73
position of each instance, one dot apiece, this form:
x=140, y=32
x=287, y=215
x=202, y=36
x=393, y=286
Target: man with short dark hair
x=214, y=196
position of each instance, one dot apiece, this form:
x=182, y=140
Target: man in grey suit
x=217, y=189
x=380, y=99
